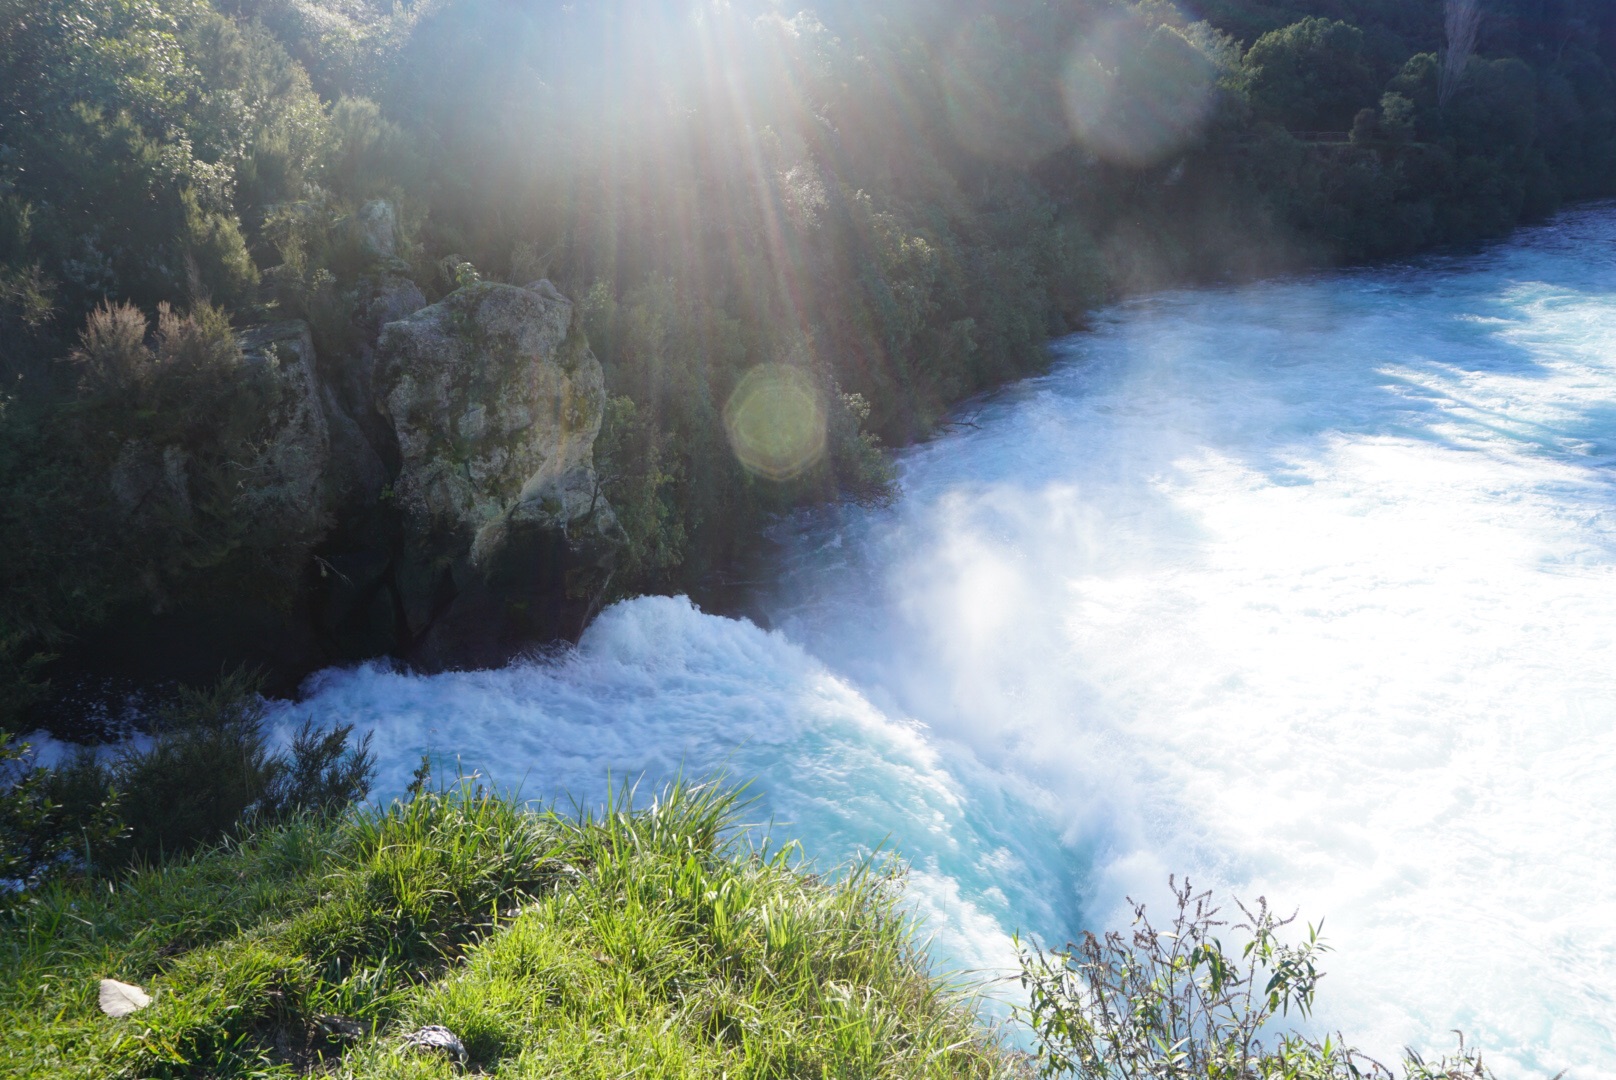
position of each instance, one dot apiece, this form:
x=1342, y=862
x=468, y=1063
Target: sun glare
x=776, y=422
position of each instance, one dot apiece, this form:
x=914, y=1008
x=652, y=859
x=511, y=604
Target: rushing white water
x=1305, y=589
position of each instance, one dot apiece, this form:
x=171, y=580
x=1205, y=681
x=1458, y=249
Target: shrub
x=322, y=776
x=112, y=349
x=1174, y=1005
x=1310, y=75
x=207, y=772
x=46, y=819
x=207, y=766
x=638, y=481
x=863, y=471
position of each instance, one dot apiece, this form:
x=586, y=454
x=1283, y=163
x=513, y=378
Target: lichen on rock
x=292, y=467
x=496, y=402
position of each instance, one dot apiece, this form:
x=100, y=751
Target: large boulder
x=495, y=400
x=377, y=226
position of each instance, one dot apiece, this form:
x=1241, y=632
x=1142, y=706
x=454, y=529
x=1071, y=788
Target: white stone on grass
x=121, y=999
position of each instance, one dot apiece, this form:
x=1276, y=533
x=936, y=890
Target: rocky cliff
x=494, y=400
x=442, y=470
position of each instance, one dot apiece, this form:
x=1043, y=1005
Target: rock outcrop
x=441, y=472
x=494, y=401
x=377, y=225
x=287, y=462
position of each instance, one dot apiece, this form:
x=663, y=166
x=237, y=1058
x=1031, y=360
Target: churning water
x=1304, y=589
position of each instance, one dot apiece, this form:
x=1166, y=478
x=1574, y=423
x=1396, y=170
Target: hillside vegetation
x=660, y=940
x=899, y=200
x=646, y=941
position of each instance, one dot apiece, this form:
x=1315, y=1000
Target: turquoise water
x=1304, y=589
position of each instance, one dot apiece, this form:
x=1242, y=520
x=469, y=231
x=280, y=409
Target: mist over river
x=1306, y=589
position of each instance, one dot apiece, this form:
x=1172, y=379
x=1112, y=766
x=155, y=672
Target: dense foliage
x=900, y=199
x=648, y=940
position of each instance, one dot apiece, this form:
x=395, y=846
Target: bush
x=181, y=427
x=1309, y=76
x=1174, y=1005
x=207, y=767
x=207, y=773
x=322, y=775
x=47, y=819
x=112, y=349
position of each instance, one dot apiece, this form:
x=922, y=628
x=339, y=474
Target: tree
x=1310, y=76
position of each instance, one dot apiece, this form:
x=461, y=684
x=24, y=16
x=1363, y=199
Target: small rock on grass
x=436, y=1037
x=121, y=999
x=340, y=1027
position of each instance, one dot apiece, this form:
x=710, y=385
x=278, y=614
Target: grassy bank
x=649, y=942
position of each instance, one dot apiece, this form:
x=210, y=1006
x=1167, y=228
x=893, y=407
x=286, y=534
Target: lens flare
x=776, y=421
x=1135, y=95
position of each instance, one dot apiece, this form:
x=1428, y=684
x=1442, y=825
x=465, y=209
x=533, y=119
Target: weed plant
x=1175, y=1004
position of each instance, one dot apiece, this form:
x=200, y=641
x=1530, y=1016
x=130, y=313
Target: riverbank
x=653, y=938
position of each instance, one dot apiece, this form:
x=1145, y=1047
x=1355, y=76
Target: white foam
x=1306, y=589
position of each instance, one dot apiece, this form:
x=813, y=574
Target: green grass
x=649, y=942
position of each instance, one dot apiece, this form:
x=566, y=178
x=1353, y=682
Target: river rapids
x=1304, y=589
